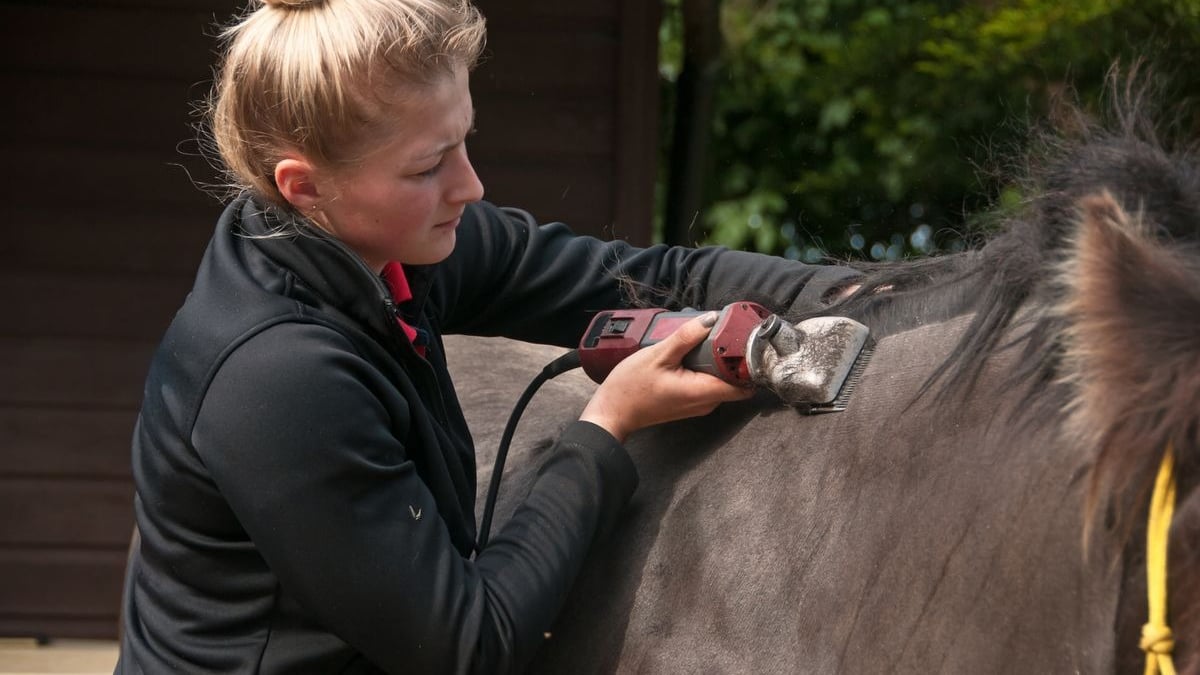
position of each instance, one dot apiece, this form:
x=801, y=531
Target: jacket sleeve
x=510, y=276
x=326, y=489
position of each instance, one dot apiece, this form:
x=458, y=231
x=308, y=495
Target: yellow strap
x=1157, y=639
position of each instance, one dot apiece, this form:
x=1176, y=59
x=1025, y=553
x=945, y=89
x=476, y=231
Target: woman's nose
x=467, y=186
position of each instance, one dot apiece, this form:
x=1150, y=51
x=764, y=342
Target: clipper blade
x=813, y=365
x=839, y=403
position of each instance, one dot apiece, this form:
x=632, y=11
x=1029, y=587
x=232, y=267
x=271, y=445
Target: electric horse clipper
x=813, y=365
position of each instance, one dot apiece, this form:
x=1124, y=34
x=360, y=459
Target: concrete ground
x=22, y=656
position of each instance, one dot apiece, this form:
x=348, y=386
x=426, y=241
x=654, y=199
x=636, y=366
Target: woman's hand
x=652, y=386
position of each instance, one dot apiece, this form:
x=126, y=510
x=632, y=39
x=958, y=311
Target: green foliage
x=859, y=127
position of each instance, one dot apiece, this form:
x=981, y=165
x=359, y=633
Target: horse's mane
x=1011, y=281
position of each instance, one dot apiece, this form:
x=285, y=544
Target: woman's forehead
x=427, y=119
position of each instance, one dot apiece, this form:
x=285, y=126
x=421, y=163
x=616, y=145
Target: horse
x=980, y=505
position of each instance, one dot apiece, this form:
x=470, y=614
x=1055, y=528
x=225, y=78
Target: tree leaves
x=855, y=121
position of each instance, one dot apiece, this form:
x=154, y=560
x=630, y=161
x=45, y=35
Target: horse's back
x=885, y=538
x=490, y=375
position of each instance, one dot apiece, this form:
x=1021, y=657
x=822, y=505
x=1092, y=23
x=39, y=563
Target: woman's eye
x=430, y=171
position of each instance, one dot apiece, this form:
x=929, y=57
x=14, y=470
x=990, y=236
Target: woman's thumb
x=689, y=335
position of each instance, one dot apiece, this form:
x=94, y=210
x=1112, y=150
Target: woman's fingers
x=652, y=386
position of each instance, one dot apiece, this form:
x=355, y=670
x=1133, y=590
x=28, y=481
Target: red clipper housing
x=615, y=334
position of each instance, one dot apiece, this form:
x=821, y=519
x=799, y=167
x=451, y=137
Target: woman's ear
x=299, y=183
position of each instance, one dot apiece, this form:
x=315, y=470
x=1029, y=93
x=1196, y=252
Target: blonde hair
x=314, y=77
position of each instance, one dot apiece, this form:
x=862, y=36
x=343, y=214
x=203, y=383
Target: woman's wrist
x=609, y=422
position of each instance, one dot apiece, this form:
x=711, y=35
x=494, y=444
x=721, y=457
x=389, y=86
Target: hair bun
x=292, y=4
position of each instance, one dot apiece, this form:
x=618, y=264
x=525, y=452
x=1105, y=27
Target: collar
x=397, y=282
x=326, y=266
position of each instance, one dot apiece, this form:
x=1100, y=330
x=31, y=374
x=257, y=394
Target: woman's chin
x=437, y=251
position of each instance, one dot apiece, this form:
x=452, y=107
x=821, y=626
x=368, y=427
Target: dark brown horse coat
x=868, y=541
x=933, y=528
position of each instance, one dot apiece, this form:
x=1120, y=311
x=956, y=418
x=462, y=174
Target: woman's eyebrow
x=441, y=149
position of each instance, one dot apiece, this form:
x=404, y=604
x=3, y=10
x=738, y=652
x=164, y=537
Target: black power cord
x=564, y=363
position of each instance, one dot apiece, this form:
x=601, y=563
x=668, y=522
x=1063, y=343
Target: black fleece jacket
x=306, y=482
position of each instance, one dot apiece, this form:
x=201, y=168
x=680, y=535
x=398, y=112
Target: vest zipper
x=424, y=370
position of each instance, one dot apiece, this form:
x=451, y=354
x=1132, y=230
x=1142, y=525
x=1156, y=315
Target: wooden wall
x=567, y=112
x=102, y=228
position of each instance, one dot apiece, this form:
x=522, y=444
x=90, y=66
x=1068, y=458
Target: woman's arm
x=509, y=276
x=312, y=448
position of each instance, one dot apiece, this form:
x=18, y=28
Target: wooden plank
x=62, y=582
x=65, y=513
x=493, y=10
x=127, y=41
x=66, y=39
x=548, y=66
x=134, y=238
x=153, y=115
x=501, y=13
x=45, y=443
x=160, y=181
x=176, y=5
x=59, y=627
x=550, y=182
x=55, y=175
x=81, y=373
x=577, y=194
x=637, y=120
x=47, y=304
x=121, y=112
x=517, y=128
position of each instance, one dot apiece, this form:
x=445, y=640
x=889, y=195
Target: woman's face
x=403, y=201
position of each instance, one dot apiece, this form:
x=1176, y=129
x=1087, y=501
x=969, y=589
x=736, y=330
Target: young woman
x=305, y=478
